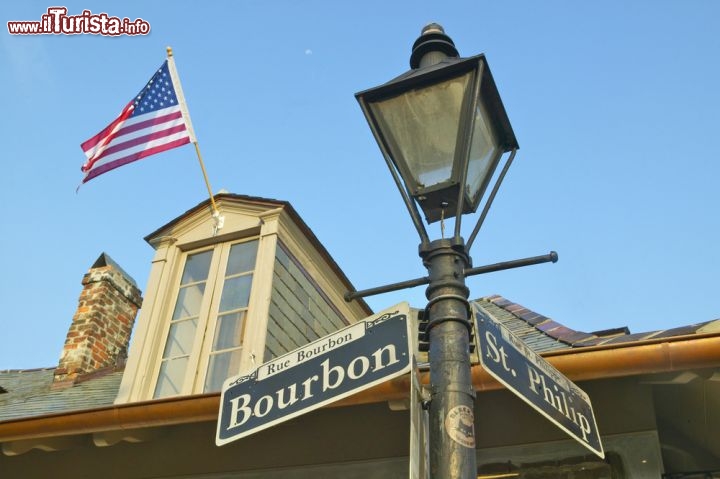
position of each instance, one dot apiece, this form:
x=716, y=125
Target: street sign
x=338, y=365
x=536, y=381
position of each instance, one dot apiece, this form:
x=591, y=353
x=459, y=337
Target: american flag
x=154, y=121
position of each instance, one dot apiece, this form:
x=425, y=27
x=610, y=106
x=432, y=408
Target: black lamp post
x=442, y=129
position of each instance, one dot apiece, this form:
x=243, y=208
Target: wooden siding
x=299, y=312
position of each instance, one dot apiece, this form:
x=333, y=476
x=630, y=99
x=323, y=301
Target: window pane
x=180, y=338
x=171, y=377
x=221, y=367
x=188, y=301
x=236, y=293
x=196, y=267
x=228, y=331
x=242, y=258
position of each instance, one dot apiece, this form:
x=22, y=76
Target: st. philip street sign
x=536, y=381
x=354, y=358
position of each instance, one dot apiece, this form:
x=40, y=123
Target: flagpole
x=193, y=139
x=207, y=182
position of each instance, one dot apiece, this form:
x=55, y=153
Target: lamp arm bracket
x=551, y=257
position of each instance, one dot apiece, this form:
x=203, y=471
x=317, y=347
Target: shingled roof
x=542, y=333
x=29, y=392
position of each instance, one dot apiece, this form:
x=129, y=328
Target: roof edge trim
x=611, y=361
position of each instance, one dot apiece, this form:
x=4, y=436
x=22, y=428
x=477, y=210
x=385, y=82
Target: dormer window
x=209, y=315
x=219, y=305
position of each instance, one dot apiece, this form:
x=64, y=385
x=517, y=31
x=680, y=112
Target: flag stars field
x=154, y=121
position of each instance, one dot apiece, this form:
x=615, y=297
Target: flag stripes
x=151, y=123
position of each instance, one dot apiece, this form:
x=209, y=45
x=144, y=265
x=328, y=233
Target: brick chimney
x=100, y=331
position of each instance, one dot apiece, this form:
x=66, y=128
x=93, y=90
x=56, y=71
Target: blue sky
x=615, y=106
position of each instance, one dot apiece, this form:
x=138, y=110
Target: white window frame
x=196, y=370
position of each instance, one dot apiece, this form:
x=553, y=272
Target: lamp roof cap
x=432, y=39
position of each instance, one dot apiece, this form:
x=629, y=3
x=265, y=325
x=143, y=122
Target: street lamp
x=442, y=129
x=441, y=126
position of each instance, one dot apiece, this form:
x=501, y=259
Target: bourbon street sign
x=354, y=358
x=536, y=381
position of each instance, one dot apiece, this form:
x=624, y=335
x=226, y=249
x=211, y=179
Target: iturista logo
x=57, y=22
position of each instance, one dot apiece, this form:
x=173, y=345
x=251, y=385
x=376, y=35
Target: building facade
x=220, y=302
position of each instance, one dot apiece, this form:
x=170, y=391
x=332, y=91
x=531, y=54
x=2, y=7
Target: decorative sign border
x=534, y=380
x=331, y=368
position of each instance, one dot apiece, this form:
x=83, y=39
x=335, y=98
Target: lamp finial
x=431, y=47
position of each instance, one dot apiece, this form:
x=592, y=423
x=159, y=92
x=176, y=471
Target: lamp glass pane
x=422, y=128
x=483, y=154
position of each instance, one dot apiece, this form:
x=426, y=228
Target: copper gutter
x=664, y=355
x=598, y=362
x=163, y=412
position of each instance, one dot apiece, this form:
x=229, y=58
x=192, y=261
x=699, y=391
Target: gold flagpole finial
x=169, y=51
